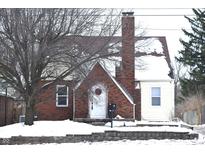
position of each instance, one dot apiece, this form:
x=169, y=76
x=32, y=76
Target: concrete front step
x=98, y=122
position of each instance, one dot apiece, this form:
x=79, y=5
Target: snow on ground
x=61, y=128
x=112, y=147
x=200, y=129
x=48, y=128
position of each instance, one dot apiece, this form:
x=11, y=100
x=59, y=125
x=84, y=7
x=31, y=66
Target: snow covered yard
x=200, y=129
x=61, y=128
x=114, y=147
x=49, y=128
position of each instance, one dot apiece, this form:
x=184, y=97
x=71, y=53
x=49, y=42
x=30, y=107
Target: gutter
x=156, y=80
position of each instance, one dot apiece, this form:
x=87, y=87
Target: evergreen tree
x=193, y=54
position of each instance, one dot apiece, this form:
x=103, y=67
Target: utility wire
x=164, y=8
x=158, y=15
x=135, y=14
x=163, y=15
x=166, y=29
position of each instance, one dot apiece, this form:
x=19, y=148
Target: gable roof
x=124, y=92
x=3, y=94
x=152, y=51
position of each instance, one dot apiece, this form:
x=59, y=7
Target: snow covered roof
x=2, y=93
x=146, y=68
x=152, y=60
x=153, y=68
x=149, y=46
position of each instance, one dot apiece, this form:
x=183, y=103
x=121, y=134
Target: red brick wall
x=98, y=75
x=46, y=108
x=126, y=73
x=8, y=108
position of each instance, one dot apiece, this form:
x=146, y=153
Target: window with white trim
x=62, y=96
x=156, y=94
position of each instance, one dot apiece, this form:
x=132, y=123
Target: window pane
x=62, y=91
x=155, y=91
x=156, y=101
x=62, y=100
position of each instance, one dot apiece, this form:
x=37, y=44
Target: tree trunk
x=198, y=111
x=29, y=117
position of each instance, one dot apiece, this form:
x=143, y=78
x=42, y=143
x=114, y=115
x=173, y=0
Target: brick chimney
x=127, y=70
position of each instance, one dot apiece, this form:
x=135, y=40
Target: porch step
x=98, y=123
x=88, y=120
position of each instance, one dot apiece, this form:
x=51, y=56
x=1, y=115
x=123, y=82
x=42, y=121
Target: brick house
x=10, y=109
x=7, y=111
x=138, y=94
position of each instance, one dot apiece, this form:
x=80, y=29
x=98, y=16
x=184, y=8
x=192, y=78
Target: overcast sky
x=169, y=26
x=167, y=22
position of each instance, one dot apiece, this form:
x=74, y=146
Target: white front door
x=98, y=101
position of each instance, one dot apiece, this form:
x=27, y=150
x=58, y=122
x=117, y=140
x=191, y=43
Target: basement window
x=156, y=94
x=61, y=96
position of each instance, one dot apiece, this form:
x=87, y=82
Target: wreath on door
x=98, y=91
x=97, y=98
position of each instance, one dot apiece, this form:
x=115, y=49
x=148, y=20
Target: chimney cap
x=127, y=13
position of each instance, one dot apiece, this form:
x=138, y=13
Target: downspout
x=5, y=107
x=134, y=111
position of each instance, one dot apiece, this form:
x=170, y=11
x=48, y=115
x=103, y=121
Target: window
x=156, y=93
x=61, y=96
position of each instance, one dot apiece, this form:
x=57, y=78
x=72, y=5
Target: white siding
x=165, y=111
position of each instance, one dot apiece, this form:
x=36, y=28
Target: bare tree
x=192, y=103
x=179, y=72
x=40, y=44
x=199, y=102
